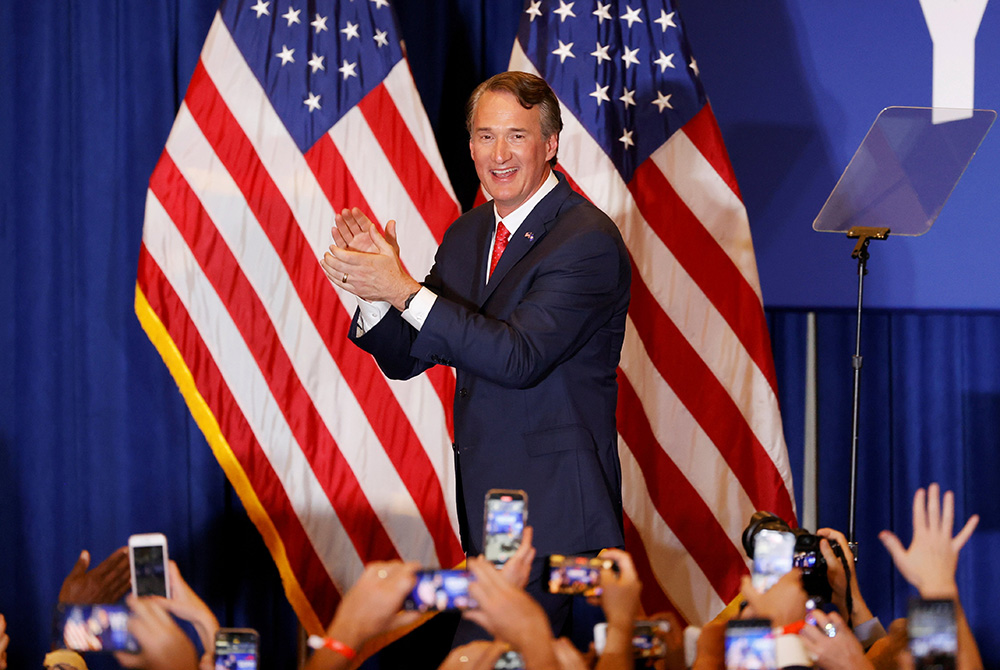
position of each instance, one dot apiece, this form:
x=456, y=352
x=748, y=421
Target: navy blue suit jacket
x=535, y=352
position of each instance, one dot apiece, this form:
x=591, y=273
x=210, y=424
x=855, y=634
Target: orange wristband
x=317, y=642
x=791, y=628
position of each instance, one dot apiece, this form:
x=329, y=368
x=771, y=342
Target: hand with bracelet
x=372, y=606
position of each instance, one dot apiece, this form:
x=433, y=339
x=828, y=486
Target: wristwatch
x=406, y=303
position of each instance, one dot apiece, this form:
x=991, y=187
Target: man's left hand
x=375, y=275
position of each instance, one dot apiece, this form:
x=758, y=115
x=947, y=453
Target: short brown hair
x=530, y=90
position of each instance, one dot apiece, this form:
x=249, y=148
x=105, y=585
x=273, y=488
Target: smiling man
x=527, y=301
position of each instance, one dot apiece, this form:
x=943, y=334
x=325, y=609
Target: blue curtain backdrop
x=96, y=443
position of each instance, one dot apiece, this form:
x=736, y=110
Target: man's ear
x=551, y=147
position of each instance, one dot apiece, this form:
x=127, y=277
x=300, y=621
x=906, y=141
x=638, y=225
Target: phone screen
x=933, y=634
x=86, y=628
x=576, y=575
x=773, y=551
x=504, y=524
x=439, y=590
x=509, y=660
x=236, y=649
x=750, y=644
x=150, y=570
x=648, y=638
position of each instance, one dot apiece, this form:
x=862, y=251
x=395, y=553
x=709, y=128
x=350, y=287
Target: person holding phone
x=527, y=300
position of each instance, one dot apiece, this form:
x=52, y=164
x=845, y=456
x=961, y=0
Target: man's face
x=507, y=146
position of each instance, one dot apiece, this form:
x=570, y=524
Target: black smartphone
x=933, y=634
x=147, y=556
x=648, y=638
x=236, y=649
x=505, y=516
x=87, y=628
x=750, y=644
x=576, y=575
x=440, y=590
x=773, y=552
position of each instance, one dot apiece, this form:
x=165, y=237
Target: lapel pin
x=530, y=236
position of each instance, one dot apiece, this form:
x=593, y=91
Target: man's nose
x=501, y=152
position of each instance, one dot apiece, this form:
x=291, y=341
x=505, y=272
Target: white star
x=631, y=15
x=312, y=102
x=600, y=94
x=666, y=20
x=533, y=10
x=629, y=57
x=292, y=15
x=319, y=24
x=316, y=63
x=628, y=97
x=662, y=101
x=351, y=31
x=626, y=138
x=602, y=12
x=601, y=53
x=261, y=8
x=285, y=55
x=694, y=67
x=665, y=61
x=379, y=4
x=564, y=51
x=380, y=38
x=564, y=10
x=347, y=69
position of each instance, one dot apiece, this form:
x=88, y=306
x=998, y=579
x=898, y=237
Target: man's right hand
x=353, y=231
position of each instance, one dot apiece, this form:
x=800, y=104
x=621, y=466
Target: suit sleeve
x=389, y=342
x=573, y=292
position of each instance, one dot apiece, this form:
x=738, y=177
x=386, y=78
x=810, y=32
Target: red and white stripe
x=346, y=466
x=700, y=433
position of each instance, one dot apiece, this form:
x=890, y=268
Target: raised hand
x=930, y=561
x=106, y=583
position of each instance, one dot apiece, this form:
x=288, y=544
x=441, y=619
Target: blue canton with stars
x=624, y=69
x=315, y=59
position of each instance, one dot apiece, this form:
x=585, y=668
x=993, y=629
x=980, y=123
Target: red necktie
x=499, y=245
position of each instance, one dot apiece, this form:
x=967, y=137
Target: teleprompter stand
x=898, y=180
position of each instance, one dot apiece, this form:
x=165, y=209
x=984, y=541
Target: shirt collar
x=514, y=220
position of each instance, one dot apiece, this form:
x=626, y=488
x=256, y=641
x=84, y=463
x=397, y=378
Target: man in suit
x=533, y=326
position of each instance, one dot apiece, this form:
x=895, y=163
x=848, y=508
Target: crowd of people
x=802, y=635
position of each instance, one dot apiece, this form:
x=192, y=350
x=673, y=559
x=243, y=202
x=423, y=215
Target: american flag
x=700, y=434
x=296, y=110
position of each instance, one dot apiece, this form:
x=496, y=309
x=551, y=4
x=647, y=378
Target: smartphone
x=236, y=648
x=509, y=660
x=648, y=638
x=576, y=575
x=933, y=634
x=773, y=552
x=440, y=590
x=506, y=514
x=86, y=628
x=750, y=644
x=147, y=557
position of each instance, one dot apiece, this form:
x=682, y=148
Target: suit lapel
x=534, y=228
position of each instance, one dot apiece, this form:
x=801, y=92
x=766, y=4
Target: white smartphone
x=147, y=557
x=773, y=551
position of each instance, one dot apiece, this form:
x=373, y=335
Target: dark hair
x=530, y=90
